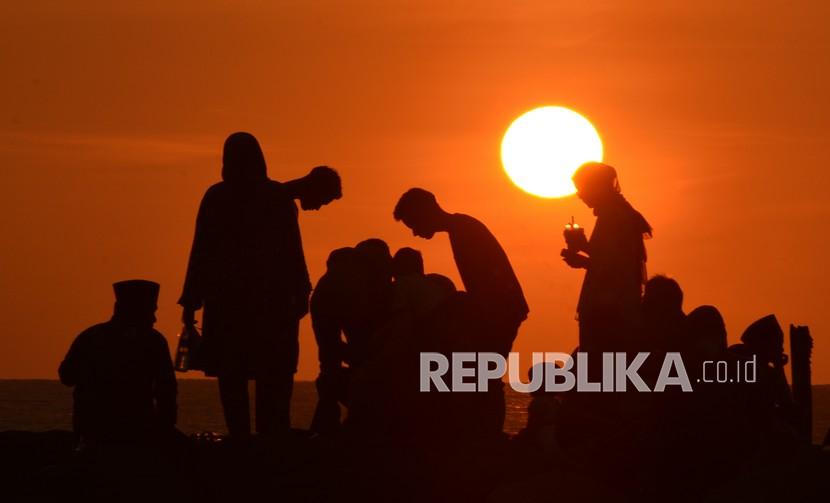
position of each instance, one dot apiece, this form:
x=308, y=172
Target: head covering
x=707, y=327
x=597, y=174
x=764, y=331
x=242, y=159
x=136, y=296
x=603, y=178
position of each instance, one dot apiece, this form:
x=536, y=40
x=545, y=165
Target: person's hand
x=189, y=316
x=576, y=239
x=574, y=259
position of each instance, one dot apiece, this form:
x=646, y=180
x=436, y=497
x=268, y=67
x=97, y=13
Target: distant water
x=39, y=405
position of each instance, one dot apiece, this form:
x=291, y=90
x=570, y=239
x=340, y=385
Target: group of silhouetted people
x=373, y=312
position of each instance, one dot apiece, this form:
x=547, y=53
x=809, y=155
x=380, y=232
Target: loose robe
x=248, y=271
x=609, y=303
x=124, y=383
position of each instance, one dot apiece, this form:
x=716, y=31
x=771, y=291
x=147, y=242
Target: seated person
x=125, y=388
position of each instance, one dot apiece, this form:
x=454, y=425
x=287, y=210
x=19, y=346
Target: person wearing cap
x=248, y=272
x=122, y=373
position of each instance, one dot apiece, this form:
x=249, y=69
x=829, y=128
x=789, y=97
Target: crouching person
x=122, y=374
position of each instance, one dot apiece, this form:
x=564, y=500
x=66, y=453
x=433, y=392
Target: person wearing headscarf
x=247, y=270
x=614, y=259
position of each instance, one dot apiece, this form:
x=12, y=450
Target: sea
x=42, y=405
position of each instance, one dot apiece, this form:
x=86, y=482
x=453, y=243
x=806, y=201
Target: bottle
x=183, y=350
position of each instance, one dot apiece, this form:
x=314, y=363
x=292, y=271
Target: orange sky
x=112, y=122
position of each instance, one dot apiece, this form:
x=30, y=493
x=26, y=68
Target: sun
x=543, y=147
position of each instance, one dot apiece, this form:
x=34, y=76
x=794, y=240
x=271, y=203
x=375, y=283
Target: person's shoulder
x=157, y=340
x=89, y=334
x=98, y=328
x=460, y=222
x=214, y=192
x=463, y=219
x=216, y=188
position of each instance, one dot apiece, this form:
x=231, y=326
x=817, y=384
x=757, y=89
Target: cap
x=759, y=330
x=137, y=293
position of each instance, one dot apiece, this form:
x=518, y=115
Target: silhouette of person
x=318, y=188
x=707, y=334
x=425, y=316
x=248, y=271
x=328, y=310
x=764, y=339
x=494, y=305
x=483, y=265
x=416, y=292
x=540, y=434
x=614, y=259
x=663, y=316
x=407, y=261
x=349, y=302
x=125, y=388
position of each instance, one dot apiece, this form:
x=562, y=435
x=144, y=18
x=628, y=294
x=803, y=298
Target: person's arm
x=165, y=385
x=575, y=259
x=73, y=363
x=327, y=332
x=193, y=291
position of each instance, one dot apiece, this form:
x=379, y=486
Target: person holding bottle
x=247, y=270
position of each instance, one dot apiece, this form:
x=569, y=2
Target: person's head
x=136, y=302
x=407, y=261
x=765, y=338
x=596, y=183
x=377, y=257
x=443, y=283
x=340, y=259
x=242, y=159
x=419, y=210
x=318, y=188
x=662, y=300
x=708, y=331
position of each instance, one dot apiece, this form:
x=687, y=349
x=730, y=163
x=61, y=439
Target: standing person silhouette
x=248, y=271
x=495, y=305
x=614, y=259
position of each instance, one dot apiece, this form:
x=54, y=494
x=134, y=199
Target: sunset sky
x=715, y=114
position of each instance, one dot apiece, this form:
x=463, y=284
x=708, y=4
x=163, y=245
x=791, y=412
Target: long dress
x=609, y=303
x=248, y=271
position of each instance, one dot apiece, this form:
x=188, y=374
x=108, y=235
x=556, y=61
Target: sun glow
x=543, y=147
